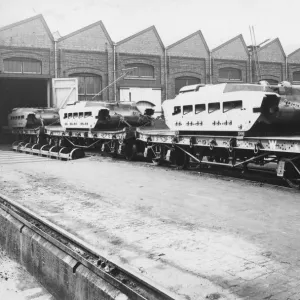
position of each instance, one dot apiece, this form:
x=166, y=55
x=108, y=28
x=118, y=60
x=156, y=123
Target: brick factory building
x=30, y=56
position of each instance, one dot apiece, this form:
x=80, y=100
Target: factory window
x=296, y=76
x=184, y=81
x=199, y=108
x=187, y=109
x=88, y=86
x=213, y=107
x=229, y=105
x=230, y=74
x=22, y=65
x=140, y=71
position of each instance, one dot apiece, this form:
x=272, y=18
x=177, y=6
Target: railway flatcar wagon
x=32, y=118
x=230, y=125
x=82, y=125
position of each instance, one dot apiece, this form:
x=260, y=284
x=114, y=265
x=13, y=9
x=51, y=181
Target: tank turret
x=289, y=105
x=26, y=117
x=99, y=115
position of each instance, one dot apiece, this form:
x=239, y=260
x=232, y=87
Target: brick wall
x=272, y=61
x=144, y=42
x=272, y=52
x=291, y=69
x=218, y=64
x=46, y=56
x=28, y=39
x=90, y=50
x=184, y=66
x=93, y=62
x=269, y=70
x=234, y=49
x=92, y=37
x=192, y=46
x=231, y=54
x=122, y=59
x=293, y=63
x=144, y=47
x=26, y=34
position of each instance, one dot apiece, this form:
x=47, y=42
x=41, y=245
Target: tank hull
x=102, y=115
x=21, y=118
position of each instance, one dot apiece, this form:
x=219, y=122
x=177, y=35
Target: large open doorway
x=21, y=93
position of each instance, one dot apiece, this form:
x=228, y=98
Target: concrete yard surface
x=198, y=236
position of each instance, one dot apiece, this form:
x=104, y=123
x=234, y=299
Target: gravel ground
x=201, y=237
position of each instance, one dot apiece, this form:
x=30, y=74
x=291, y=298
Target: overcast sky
x=219, y=20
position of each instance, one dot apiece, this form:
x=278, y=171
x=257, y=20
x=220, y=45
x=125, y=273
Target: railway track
x=124, y=280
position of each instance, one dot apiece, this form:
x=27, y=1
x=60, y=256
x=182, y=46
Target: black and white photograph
x=149, y=150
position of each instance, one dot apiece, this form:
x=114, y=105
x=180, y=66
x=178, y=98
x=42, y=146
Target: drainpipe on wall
x=250, y=66
x=55, y=58
x=210, y=67
x=114, y=72
x=166, y=75
x=48, y=93
x=286, y=69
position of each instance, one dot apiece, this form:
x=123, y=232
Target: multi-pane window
x=140, y=71
x=22, y=65
x=89, y=85
x=184, y=81
x=296, y=76
x=230, y=74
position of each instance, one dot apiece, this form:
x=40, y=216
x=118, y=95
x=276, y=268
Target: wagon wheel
x=292, y=177
x=245, y=168
x=210, y=158
x=157, y=155
x=293, y=182
x=131, y=151
x=180, y=159
x=114, y=148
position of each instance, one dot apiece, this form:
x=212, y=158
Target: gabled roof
x=142, y=32
x=40, y=16
x=86, y=28
x=276, y=40
x=295, y=51
x=240, y=36
x=188, y=37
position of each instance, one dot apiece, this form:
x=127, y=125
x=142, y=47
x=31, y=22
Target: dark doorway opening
x=21, y=93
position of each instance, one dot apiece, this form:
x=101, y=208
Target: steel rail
x=131, y=283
